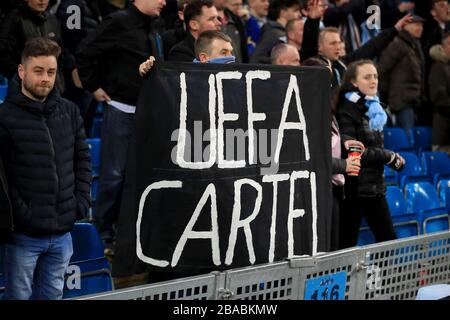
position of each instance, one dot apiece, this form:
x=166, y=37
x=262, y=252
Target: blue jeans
x=117, y=129
x=35, y=267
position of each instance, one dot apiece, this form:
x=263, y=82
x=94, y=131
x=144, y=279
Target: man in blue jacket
x=47, y=165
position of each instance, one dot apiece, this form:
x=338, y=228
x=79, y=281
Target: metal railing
x=393, y=270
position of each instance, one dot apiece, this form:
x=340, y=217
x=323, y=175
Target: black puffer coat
x=47, y=162
x=6, y=225
x=354, y=123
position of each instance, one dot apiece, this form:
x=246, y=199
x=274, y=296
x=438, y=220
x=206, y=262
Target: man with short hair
x=329, y=49
x=47, y=162
x=259, y=9
x=108, y=63
x=285, y=54
x=274, y=32
x=434, y=28
x=214, y=47
x=199, y=16
x=234, y=27
x=30, y=19
x=177, y=34
x=294, y=32
x=211, y=46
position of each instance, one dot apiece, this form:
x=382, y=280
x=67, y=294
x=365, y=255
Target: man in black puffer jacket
x=47, y=164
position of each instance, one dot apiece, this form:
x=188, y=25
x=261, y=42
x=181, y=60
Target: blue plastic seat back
x=90, y=285
x=86, y=243
x=94, y=146
x=436, y=224
x=406, y=225
x=395, y=200
x=422, y=139
x=421, y=196
x=95, y=278
x=396, y=139
x=390, y=175
x=365, y=237
x=443, y=188
x=99, y=108
x=96, y=127
x=412, y=168
x=436, y=162
x=3, y=88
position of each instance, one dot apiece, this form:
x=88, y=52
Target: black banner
x=229, y=166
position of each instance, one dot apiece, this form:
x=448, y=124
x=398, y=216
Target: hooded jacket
x=47, y=162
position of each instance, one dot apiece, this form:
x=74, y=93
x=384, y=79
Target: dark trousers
x=338, y=199
x=117, y=128
x=376, y=212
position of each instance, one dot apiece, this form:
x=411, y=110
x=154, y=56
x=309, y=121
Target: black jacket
x=6, y=223
x=402, y=70
x=110, y=57
x=354, y=123
x=173, y=36
x=238, y=34
x=184, y=50
x=23, y=24
x=272, y=33
x=47, y=162
x=91, y=13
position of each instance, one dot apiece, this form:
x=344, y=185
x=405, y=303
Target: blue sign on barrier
x=328, y=287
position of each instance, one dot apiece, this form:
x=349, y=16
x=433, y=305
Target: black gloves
x=396, y=162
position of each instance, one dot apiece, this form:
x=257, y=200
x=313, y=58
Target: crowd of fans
x=107, y=46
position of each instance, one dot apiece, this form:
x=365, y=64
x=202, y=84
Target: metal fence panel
x=397, y=269
x=393, y=270
x=194, y=288
x=340, y=261
x=267, y=282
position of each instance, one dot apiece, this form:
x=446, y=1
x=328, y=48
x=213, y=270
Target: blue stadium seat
x=443, y=189
x=436, y=165
x=390, y=175
x=421, y=197
x=94, y=278
x=94, y=145
x=89, y=257
x=396, y=139
x=365, y=237
x=3, y=88
x=396, y=201
x=412, y=170
x=99, y=108
x=422, y=139
x=96, y=127
x=87, y=244
x=406, y=225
